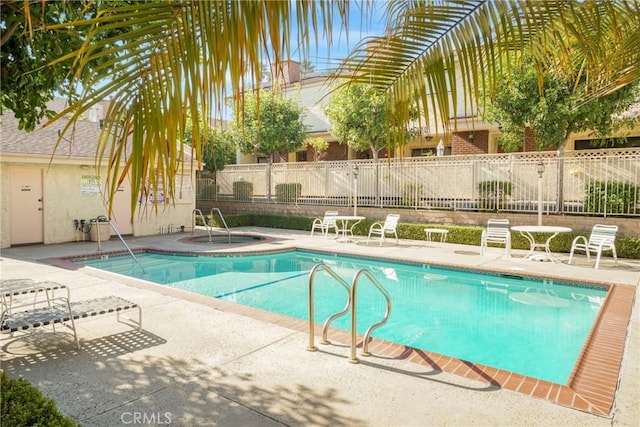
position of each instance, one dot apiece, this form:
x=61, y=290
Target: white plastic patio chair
x=325, y=223
x=497, y=231
x=389, y=227
x=602, y=238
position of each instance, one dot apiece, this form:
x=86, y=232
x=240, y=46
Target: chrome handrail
x=223, y=222
x=113, y=226
x=193, y=222
x=365, y=342
x=316, y=268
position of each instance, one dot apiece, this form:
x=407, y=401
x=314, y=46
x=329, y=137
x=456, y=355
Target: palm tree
x=182, y=58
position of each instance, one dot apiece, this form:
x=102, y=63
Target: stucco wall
x=4, y=207
x=67, y=195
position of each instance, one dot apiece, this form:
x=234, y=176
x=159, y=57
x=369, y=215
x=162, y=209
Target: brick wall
x=462, y=143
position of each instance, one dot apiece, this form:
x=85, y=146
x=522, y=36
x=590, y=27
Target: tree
x=554, y=112
x=218, y=150
x=29, y=45
x=270, y=123
x=357, y=114
x=306, y=67
x=319, y=146
x=175, y=59
x=562, y=108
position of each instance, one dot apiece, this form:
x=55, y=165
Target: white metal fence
x=597, y=182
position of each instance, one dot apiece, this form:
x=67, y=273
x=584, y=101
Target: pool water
x=529, y=326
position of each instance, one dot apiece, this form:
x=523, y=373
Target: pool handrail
x=204, y=221
x=113, y=226
x=365, y=340
x=226, y=227
x=325, y=328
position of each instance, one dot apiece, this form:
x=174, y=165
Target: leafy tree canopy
x=29, y=45
x=269, y=123
x=358, y=117
x=561, y=108
x=218, y=148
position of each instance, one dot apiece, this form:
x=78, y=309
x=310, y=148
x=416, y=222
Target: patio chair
x=602, y=238
x=382, y=229
x=497, y=231
x=325, y=223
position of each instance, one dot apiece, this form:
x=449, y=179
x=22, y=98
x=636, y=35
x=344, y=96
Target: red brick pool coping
x=592, y=385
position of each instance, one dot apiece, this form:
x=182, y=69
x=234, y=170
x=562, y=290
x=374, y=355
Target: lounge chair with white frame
x=325, y=223
x=602, y=239
x=382, y=229
x=497, y=231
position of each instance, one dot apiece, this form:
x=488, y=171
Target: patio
x=200, y=361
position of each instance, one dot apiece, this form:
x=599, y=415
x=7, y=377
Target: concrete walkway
x=197, y=364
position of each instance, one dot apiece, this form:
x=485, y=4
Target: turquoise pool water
x=529, y=326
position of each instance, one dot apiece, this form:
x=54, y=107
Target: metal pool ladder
x=226, y=227
x=204, y=221
x=351, y=303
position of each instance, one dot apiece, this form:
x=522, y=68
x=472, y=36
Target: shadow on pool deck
x=203, y=362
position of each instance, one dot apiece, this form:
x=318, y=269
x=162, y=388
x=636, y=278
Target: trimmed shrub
x=288, y=192
x=493, y=194
x=411, y=193
x=627, y=247
x=242, y=190
x=613, y=197
x=24, y=405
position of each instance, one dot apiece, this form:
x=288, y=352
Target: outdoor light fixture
x=470, y=136
x=540, y=168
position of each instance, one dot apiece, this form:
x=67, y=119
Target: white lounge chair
x=382, y=229
x=497, y=231
x=325, y=223
x=602, y=238
x=60, y=310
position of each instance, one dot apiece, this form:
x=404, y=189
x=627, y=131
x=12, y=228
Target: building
x=472, y=135
x=45, y=197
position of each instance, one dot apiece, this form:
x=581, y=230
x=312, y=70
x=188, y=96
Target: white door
x=121, y=215
x=25, y=206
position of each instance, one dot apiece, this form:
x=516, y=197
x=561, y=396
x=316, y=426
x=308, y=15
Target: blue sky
x=325, y=58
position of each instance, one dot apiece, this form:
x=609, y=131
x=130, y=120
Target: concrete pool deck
x=198, y=362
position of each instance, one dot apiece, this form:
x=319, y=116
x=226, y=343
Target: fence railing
x=595, y=182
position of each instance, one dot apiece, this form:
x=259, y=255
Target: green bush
x=493, y=194
x=24, y=405
x=242, y=190
x=626, y=247
x=288, y=192
x=208, y=191
x=612, y=197
x=411, y=193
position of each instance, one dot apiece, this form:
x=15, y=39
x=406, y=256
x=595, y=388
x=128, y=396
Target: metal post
x=540, y=170
x=355, y=190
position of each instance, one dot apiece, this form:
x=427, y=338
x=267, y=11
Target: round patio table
x=527, y=230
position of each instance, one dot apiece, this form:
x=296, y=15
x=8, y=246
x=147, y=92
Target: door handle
x=39, y=209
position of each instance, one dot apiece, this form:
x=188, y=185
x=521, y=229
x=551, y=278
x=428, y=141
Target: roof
x=42, y=140
x=78, y=144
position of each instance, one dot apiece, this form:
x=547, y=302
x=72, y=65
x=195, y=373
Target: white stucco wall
x=68, y=195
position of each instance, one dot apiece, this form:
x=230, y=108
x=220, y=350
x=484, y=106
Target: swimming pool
x=528, y=326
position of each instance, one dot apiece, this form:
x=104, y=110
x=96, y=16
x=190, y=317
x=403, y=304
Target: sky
x=325, y=58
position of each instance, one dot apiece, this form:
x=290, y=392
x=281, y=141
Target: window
x=591, y=144
x=263, y=159
x=301, y=156
x=432, y=151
